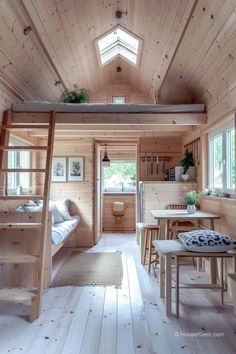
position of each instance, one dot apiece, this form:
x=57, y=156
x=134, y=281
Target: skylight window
x=119, y=42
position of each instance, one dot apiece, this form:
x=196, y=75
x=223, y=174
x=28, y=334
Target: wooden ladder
x=32, y=293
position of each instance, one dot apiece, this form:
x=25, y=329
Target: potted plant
x=77, y=95
x=192, y=198
x=187, y=162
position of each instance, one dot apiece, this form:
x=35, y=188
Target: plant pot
x=192, y=173
x=185, y=177
x=191, y=209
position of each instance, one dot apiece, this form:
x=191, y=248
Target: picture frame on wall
x=59, y=169
x=75, y=172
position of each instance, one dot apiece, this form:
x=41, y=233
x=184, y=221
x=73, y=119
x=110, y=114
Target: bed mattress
x=106, y=108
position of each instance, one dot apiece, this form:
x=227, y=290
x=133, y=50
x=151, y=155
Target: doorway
x=115, y=182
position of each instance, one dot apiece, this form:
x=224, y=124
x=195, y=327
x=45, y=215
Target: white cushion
x=168, y=246
x=56, y=215
x=118, y=206
x=206, y=241
x=63, y=207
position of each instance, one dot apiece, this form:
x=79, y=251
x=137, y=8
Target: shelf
x=20, y=225
x=21, y=197
x=18, y=258
x=16, y=294
x=172, y=182
x=22, y=170
x=21, y=148
x=25, y=126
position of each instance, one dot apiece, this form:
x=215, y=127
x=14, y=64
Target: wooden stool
x=118, y=211
x=151, y=233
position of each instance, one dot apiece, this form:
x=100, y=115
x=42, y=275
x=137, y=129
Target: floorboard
x=129, y=320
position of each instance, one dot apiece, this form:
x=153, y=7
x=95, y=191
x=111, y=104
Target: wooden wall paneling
x=80, y=193
x=119, y=88
x=128, y=220
x=157, y=195
x=169, y=152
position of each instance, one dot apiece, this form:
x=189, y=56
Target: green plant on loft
x=77, y=95
x=186, y=162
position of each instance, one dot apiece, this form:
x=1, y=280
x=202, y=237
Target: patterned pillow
x=206, y=241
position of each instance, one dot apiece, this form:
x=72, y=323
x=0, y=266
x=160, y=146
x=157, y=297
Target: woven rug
x=91, y=269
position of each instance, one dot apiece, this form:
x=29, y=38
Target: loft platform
x=110, y=114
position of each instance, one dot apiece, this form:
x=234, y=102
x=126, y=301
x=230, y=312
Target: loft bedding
x=44, y=106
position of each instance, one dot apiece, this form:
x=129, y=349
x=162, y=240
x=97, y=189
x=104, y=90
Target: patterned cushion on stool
x=206, y=241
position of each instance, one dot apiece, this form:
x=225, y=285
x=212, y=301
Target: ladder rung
x=15, y=148
x=22, y=197
x=20, y=225
x=16, y=294
x=25, y=126
x=22, y=170
x=18, y=258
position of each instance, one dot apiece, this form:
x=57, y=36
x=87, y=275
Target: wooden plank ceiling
x=187, y=45
x=61, y=45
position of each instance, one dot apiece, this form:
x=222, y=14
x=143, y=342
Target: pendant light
x=106, y=161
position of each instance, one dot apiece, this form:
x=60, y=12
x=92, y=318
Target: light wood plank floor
x=130, y=320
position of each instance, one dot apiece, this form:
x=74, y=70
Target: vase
x=191, y=208
x=185, y=177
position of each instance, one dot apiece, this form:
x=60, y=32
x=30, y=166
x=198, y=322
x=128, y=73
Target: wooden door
x=97, y=193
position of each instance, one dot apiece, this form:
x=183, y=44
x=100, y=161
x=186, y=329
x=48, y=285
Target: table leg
x=213, y=260
x=177, y=286
x=162, y=276
x=212, y=227
x=222, y=279
x=168, y=284
x=163, y=231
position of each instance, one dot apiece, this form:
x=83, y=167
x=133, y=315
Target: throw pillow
x=63, y=207
x=57, y=217
x=206, y=241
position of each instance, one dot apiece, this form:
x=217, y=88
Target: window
x=119, y=42
x=222, y=158
x=118, y=99
x=120, y=176
x=18, y=159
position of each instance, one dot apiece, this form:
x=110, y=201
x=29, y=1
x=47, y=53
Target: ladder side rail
x=36, y=303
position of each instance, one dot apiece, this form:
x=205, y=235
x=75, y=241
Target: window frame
x=17, y=142
x=221, y=130
x=116, y=44
x=118, y=190
x=119, y=97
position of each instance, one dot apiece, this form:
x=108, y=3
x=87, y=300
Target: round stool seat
x=151, y=226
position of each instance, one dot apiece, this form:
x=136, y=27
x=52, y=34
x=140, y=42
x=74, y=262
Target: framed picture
x=75, y=168
x=59, y=169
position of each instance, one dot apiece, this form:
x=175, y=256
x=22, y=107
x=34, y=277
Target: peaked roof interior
x=184, y=44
